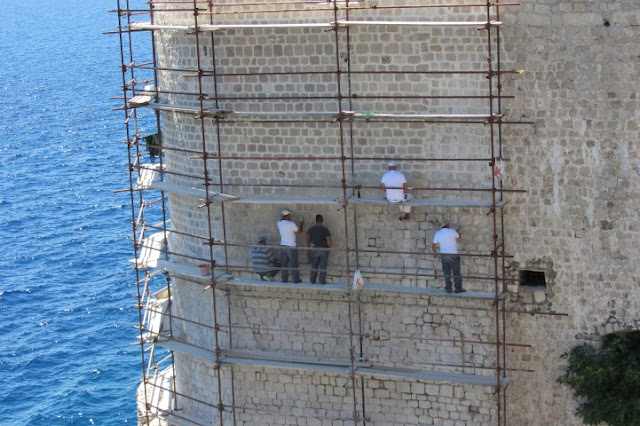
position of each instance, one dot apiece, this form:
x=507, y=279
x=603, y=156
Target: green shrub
x=607, y=381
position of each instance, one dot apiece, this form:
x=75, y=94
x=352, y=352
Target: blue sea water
x=66, y=289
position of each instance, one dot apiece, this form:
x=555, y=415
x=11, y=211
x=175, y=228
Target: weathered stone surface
x=577, y=221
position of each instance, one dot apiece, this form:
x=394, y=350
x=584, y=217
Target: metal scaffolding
x=144, y=103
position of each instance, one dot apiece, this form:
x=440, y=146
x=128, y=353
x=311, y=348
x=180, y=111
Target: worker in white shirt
x=394, y=184
x=289, y=254
x=447, y=239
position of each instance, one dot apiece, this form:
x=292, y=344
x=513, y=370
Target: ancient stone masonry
x=515, y=122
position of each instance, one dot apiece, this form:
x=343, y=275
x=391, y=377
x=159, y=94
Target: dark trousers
x=451, y=268
x=289, y=260
x=319, y=263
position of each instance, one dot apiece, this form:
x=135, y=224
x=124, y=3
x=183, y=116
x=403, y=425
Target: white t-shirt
x=394, y=179
x=447, y=239
x=288, y=231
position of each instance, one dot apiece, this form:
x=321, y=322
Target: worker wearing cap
x=447, y=239
x=263, y=261
x=394, y=184
x=288, y=254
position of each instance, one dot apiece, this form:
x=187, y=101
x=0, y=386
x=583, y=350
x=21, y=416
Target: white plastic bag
x=499, y=170
x=358, y=281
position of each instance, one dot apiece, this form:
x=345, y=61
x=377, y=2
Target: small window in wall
x=532, y=279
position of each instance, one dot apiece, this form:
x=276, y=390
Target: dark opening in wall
x=532, y=279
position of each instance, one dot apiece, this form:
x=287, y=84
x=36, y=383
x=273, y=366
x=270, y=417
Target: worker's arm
x=434, y=249
x=329, y=241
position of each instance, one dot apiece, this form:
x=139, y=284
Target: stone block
x=539, y=296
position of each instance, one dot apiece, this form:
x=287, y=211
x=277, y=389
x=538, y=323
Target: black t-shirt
x=319, y=235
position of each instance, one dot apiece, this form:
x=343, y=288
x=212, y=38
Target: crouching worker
x=263, y=260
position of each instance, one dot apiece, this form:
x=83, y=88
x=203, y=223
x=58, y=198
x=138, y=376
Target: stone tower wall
x=577, y=221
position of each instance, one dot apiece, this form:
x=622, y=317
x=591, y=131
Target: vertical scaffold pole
x=345, y=213
x=163, y=198
x=502, y=242
x=207, y=186
x=125, y=67
x=214, y=76
x=497, y=299
x=354, y=207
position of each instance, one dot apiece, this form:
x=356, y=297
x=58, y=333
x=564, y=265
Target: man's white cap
x=391, y=164
x=284, y=212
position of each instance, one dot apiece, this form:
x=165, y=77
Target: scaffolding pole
x=208, y=107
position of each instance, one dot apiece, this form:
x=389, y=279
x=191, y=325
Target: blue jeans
x=451, y=268
x=319, y=263
x=289, y=260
